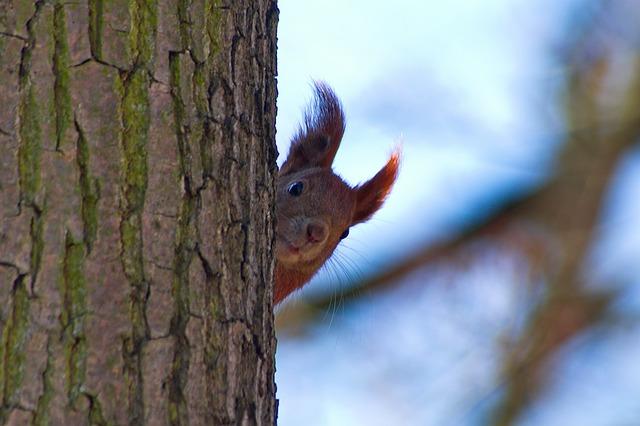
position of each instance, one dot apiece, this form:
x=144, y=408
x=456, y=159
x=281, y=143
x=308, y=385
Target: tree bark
x=137, y=205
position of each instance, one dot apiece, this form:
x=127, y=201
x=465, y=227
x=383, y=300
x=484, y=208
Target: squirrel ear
x=318, y=138
x=371, y=195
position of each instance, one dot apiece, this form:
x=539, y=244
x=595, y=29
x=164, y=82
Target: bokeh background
x=500, y=284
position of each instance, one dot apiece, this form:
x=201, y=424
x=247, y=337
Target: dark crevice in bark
x=37, y=244
x=206, y=266
x=96, y=25
x=18, y=36
x=97, y=61
x=160, y=266
x=95, y=414
x=5, y=264
x=246, y=260
x=89, y=190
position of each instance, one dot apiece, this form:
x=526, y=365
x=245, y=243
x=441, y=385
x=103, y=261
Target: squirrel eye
x=345, y=234
x=295, y=189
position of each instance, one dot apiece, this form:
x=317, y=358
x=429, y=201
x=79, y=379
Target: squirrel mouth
x=287, y=247
x=292, y=249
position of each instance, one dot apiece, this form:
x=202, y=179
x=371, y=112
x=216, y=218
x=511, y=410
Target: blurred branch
x=566, y=207
x=298, y=315
x=602, y=107
x=570, y=211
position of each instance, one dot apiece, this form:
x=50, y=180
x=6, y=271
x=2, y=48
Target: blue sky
x=469, y=87
x=463, y=85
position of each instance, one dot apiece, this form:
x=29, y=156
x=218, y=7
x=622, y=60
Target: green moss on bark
x=41, y=416
x=23, y=11
x=142, y=37
x=201, y=101
x=3, y=25
x=133, y=87
x=96, y=418
x=184, y=21
x=30, y=148
x=134, y=112
x=29, y=128
x=89, y=190
x=37, y=243
x=72, y=317
x=183, y=256
x=15, y=333
x=96, y=25
x=134, y=109
x=61, y=95
x=213, y=17
x=14, y=339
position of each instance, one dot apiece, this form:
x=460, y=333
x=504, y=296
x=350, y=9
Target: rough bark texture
x=136, y=188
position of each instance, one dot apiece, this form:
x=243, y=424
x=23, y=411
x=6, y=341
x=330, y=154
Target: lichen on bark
x=30, y=149
x=14, y=338
x=61, y=96
x=41, y=415
x=29, y=128
x=183, y=256
x=96, y=25
x=72, y=318
x=89, y=190
x=133, y=88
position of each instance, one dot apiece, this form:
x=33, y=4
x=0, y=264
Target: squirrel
x=315, y=207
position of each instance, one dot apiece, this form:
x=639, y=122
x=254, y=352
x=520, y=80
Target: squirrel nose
x=317, y=232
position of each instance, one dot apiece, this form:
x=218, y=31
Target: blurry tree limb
x=570, y=210
x=602, y=107
x=566, y=210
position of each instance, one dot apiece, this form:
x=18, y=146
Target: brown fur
x=310, y=223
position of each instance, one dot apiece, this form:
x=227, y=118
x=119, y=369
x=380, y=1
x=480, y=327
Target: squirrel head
x=315, y=207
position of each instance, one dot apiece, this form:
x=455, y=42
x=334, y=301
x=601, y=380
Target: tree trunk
x=137, y=186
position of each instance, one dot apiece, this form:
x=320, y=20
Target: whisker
x=362, y=257
x=355, y=267
x=330, y=267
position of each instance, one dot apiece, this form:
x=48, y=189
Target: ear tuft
x=318, y=138
x=371, y=194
